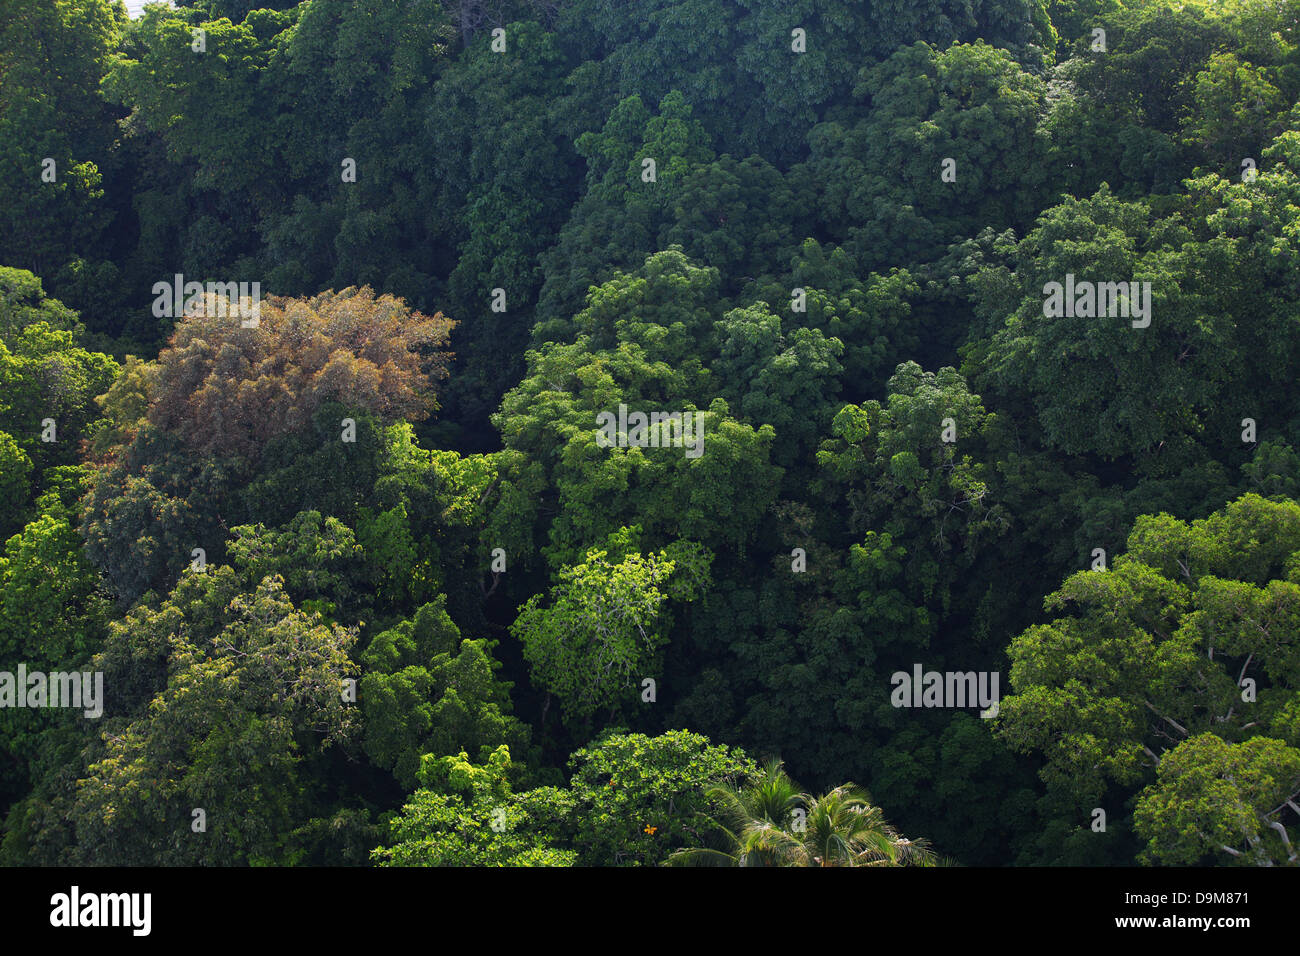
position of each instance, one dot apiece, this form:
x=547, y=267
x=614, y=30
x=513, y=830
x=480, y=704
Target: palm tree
x=772, y=823
x=845, y=829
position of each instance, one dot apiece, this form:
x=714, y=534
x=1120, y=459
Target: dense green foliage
x=389, y=573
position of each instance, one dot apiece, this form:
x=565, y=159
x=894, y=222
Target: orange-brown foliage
x=227, y=389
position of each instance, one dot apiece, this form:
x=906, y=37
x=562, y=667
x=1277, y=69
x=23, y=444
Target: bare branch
x=1179, y=727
